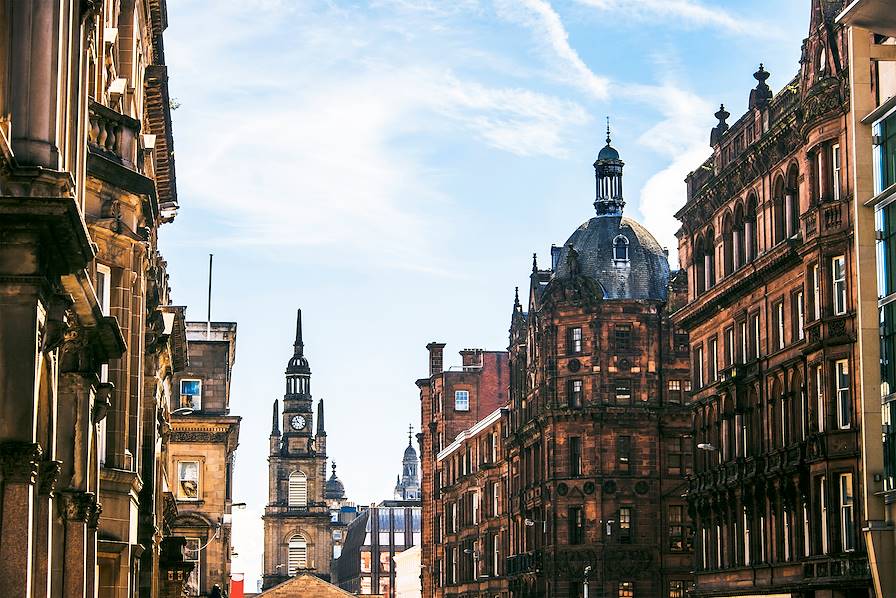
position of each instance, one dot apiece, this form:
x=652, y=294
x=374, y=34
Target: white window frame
x=576, y=340
x=698, y=375
x=838, y=284
x=757, y=331
x=816, y=292
x=779, y=331
x=183, y=494
x=195, y=576
x=800, y=315
x=714, y=359
x=842, y=383
x=835, y=171
x=747, y=556
x=819, y=397
x=744, y=349
x=847, y=513
x=461, y=400
x=195, y=402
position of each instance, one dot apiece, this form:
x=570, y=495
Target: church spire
x=299, y=345
x=608, y=173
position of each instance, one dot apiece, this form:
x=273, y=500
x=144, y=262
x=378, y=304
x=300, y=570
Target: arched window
x=740, y=255
x=821, y=61
x=709, y=257
x=751, y=234
x=298, y=554
x=298, y=489
x=781, y=217
x=792, y=200
x=699, y=266
x=728, y=245
x=620, y=249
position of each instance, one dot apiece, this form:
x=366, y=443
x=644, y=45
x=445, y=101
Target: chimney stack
x=435, y=357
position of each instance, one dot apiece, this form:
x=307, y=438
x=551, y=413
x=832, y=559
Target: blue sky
x=390, y=166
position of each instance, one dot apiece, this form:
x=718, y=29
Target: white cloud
x=684, y=12
x=540, y=17
x=317, y=136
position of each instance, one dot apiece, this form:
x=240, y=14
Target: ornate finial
x=516, y=297
x=275, y=427
x=608, y=130
x=722, y=115
x=410, y=433
x=333, y=465
x=534, y=263
x=760, y=96
x=715, y=136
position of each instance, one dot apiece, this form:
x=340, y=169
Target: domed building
x=407, y=486
x=597, y=449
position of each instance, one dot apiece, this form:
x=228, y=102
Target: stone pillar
x=76, y=508
x=707, y=269
x=34, y=73
x=749, y=250
x=19, y=467
x=788, y=215
x=44, y=541
x=735, y=249
x=93, y=523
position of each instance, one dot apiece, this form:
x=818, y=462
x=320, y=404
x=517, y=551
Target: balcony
x=113, y=152
x=113, y=135
x=527, y=562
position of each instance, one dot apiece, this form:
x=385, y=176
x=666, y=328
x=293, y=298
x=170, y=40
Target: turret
x=274, y=440
x=608, y=175
x=320, y=440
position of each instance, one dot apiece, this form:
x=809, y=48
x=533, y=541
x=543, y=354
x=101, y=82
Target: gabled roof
x=304, y=585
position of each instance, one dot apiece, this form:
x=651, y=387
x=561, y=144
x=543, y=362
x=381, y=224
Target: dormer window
x=620, y=249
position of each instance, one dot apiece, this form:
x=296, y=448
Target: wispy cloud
x=688, y=13
x=319, y=136
x=541, y=18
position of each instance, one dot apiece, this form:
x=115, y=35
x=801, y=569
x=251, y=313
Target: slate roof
x=644, y=276
x=304, y=585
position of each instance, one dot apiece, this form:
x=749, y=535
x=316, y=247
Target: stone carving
x=19, y=461
x=76, y=505
x=48, y=475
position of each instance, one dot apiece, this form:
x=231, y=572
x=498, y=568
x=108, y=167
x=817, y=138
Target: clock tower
x=298, y=534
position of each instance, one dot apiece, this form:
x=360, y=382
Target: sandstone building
x=599, y=420
x=89, y=343
x=200, y=453
x=451, y=401
x=767, y=239
x=871, y=43
x=298, y=526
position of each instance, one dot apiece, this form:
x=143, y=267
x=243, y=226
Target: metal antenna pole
x=208, y=322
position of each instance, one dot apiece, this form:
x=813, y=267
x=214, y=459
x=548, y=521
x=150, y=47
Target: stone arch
x=780, y=217
x=751, y=228
x=729, y=244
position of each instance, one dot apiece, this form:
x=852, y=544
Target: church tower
x=297, y=527
x=407, y=487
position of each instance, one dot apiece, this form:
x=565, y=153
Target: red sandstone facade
x=767, y=241
x=453, y=401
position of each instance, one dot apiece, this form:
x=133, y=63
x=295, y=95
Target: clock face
x=298, y=422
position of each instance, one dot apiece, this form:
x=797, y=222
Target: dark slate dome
x=298, y=364
x=607, y=153
x=410, y=454
x=644, y=275
x=333, y=489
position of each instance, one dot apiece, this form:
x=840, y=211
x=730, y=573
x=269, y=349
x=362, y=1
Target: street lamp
x=182, y=411
x=585, y=583
x=705, y=446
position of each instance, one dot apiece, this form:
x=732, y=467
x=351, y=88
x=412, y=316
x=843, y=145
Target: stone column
x=788, y=215
x=93, y=523
x=34, y=76
x=76, y=508
x=19, y=466
x=44, y=541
